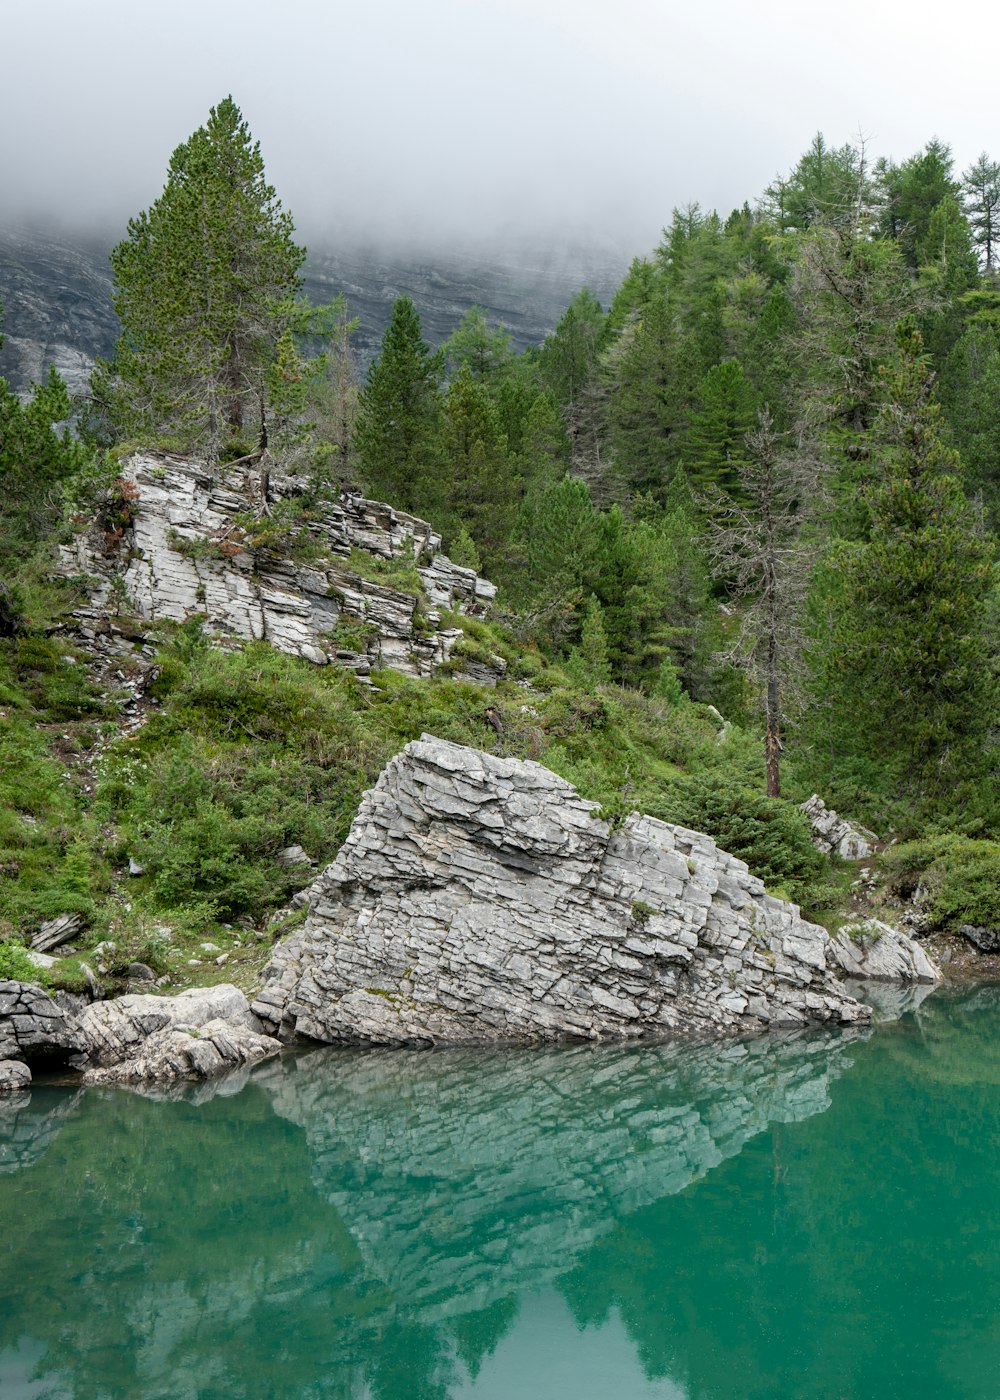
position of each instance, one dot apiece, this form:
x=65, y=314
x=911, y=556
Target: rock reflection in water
x=354, y=1224
x=464, y=1174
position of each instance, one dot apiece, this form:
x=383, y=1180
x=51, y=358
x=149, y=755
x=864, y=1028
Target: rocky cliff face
x=56, y=293
x=482, y=899
x=185, y=553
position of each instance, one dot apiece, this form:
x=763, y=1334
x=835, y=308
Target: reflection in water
x=465, y=1175
x=360, y=1222
x=699, y=1220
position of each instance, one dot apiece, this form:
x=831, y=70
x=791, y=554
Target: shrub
x=959, y=878
x=772, y=836
x=16, y=966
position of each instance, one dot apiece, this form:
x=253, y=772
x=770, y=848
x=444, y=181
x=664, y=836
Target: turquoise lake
x=802, y=1216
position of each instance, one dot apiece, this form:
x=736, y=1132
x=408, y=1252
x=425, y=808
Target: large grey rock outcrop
x=869, y=948
x=34, y=1029
x=186, y=554
x=479, y=898
x=194, y=1035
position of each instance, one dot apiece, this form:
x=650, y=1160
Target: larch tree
x=206, y=287
x=981, y=188
x=910, y=663
x=758, y=547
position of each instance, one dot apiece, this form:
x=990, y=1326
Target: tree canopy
x=207, y=290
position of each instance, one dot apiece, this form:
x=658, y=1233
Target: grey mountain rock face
x=482, y=899
x=185, y=554
x=56, y=293
x=56, y=290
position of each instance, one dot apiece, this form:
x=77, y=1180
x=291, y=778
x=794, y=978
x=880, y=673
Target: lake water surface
x=809, y=1216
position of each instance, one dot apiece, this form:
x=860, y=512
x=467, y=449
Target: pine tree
x=970, y=399
x=554, y=557
x=543, y=453
x=483, y=490
x=981, y=187
x=909, y=664
x=635, y=563
x=205, y=286
x=593, y=649
x=650, y=393
x=484, y=349
x=570, y=368
x=717, y=435
x=398, y=416
x=914, y=190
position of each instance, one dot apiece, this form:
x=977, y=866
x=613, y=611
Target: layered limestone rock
x=186, y=552
x=34, y=1030
x=869, y=948
x=834, y=834
x=194, y=1035
x=480, y=898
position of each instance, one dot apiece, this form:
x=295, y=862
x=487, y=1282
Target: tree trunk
x=772, y=741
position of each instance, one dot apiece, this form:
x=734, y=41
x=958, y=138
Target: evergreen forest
x=743, y=522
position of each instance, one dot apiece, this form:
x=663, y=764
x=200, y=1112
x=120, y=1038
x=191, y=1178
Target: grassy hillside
x=201, y=763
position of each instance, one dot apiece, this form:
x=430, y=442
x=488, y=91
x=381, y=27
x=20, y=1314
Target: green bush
x=772, y=836
x=959, y=878
x=16, y=966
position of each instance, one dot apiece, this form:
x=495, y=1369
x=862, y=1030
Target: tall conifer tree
x=398, y=417
x=909, y=666
x=206, y=286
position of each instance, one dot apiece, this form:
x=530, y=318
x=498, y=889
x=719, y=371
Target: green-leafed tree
x=544, y=450
x=635, y=563
x=650, y=393
x=554, y=557
x=205, y=286
x=949, y=271
x=906, y=657
x=913, y=191
x=824, y=184
x=725, y=413
x=398, y=418
x=483, y=349
x=970, y=398
x=480, y=475
x=850, y=289
x=981, y=188
x=640, y=284
x=569, y=365
x=593, y=649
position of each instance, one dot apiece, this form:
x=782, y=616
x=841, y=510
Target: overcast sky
x=456, y=122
